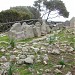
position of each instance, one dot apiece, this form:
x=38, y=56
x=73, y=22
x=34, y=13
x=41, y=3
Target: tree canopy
x=51, y=5
x=19, y=13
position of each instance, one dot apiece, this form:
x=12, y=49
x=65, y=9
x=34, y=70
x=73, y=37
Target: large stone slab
x=16, y=32
x=20, y=35
x=37, y=31
x=16, y=27
x=48, y=29
x=25, y=31
x=38, y=24
x=43, y=28
x=72, y=22
x=28, y=30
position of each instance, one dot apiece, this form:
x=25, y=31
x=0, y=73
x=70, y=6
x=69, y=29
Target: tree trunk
x=48, y=15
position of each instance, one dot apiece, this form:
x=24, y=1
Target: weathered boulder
x=43, y=29
x=31, y=56
x=45, y=57
x=20, y=35
x=73, y=70
x=3, y=59
x=2, y=50
x=12, y=34
x=16, y=27
x=55, y=51
x=16, y=31
x=38, y=24
x=37, y=31
x=72, y=22
x=22, y=56
x=12, y=58
x=28, y=30
x=28, y=60
x=69, y=73
x=20, y=61
x=48, y=29
x=5, y=66
x=57, y=71
x=24, y=49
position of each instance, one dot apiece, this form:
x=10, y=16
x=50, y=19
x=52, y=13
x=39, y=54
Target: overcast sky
x=6, y=4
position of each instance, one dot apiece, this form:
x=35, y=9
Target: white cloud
x=6, y=4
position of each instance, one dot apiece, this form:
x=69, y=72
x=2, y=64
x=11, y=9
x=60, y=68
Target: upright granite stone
x=43, y=29
x=72, y=22
x=28, y=30
x=48, y=29
x=37, y=31
x=38, y=24
x=16, y=32
x=25, y=31
x=20, y=35
x=16, y=27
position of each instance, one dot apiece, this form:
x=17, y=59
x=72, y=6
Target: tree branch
x=53, y=17
x=49, y=14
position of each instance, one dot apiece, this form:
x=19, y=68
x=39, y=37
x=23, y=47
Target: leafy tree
x=31, y=11
x=37, y=4
x=23, y=10
x=52, y=5
x=17, y=14
x=9, y=16
x=35, y=12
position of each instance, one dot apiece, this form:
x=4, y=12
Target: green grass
x=26, y=40
x=4, y=38
x=4, y=41
x=1, y=54
x=53, y=59
x=23, y=70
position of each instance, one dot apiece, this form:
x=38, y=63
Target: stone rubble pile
x=34, y=52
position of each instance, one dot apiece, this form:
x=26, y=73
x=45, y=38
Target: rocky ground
x=41, y=56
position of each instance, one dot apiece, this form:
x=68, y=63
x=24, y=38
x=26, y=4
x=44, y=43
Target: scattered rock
x=1, y=72
x=55, y=51
x=73, y=70
x=3, y=50
x=58, y=66
x=45, y=57
x=3, y=59
x=5, y=66
x=28, y=30
x=31, y=56
x=37, y=31
x=57, y=71
x=19, y=46
x=24, y=49
x=20, y=61
x=45, y=62
x=35, y=49
x=47, y=70
x=22, y=56
x=70, y=49
x=69, y=73
x=28, y=60
x=12, y=58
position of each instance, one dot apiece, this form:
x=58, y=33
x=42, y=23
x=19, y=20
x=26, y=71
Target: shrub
x=12, y=43
x=10, y=71
x=61, y=62
x=51, y=39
